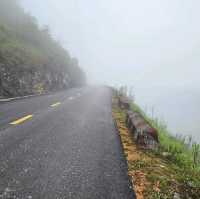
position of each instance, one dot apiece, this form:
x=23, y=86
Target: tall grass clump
x=196, y=154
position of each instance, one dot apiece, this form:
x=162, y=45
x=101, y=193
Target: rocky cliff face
x=18, y=78
x=17, y=81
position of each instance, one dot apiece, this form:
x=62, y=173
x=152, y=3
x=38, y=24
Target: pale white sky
x=127, y=41
x=153, y=45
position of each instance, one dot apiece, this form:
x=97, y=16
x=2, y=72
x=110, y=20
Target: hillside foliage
x=29, y=56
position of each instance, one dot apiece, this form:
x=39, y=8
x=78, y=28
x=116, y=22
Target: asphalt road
x=62, y=146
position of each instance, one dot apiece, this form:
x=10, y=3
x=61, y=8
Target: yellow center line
x=56, y=104
x=21, y=120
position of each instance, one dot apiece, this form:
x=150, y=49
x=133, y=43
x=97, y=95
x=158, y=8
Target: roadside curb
x=126, y=162
x=20, y=97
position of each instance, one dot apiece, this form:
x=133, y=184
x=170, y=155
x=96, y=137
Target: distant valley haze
x=150, y=45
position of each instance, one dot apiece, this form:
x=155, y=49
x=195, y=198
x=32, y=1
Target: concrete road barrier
x=144, y=134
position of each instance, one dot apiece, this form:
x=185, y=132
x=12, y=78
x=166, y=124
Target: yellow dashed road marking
x=23, y=119
x=56, y=104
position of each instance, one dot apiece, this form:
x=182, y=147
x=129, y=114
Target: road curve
x=62, y=146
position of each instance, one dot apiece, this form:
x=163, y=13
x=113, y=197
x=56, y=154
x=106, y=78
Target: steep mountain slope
x=31, y=61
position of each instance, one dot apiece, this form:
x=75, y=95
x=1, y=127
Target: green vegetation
x=182, y=154
x=180, y=149
x=171, y=171
x=29, y=56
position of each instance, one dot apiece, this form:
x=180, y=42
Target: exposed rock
x=177, y=196
x=16, y=80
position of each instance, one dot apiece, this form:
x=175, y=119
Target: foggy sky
x=144, y=43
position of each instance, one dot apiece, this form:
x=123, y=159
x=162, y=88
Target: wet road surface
x=62, y=146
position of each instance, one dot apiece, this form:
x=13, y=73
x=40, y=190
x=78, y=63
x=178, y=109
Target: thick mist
x=128, y=42
x=152, y=45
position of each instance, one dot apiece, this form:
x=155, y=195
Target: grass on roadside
x=166, y=173
x=181, y=149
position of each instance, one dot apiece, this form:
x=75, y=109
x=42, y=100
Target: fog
x=152, y=45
